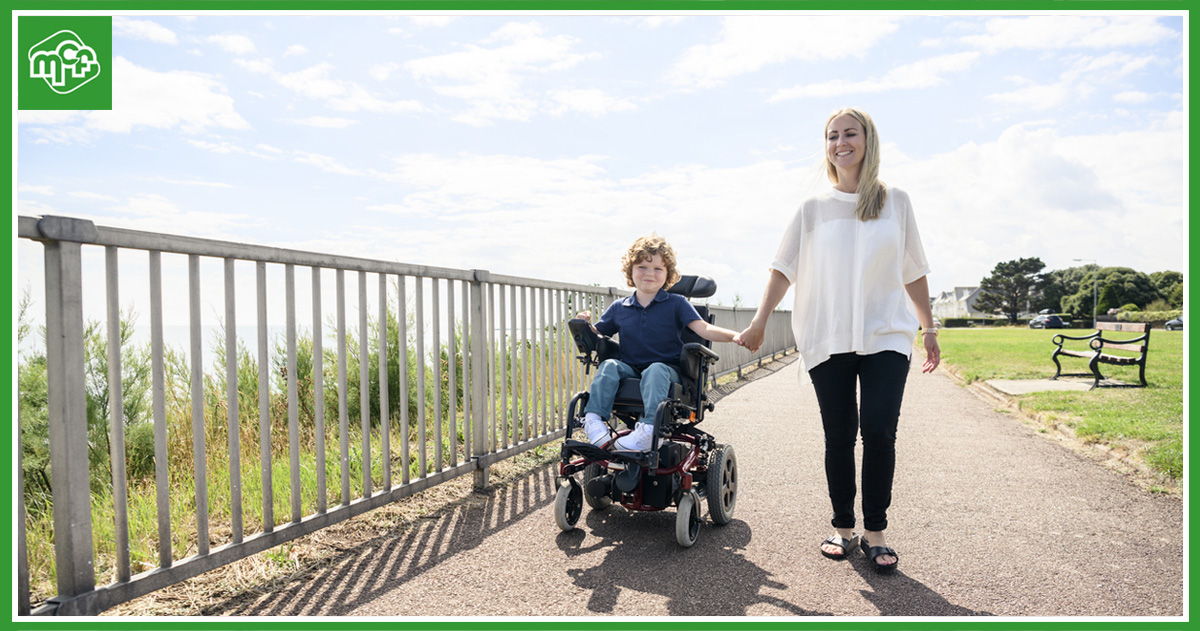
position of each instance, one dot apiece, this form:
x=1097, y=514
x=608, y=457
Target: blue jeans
x=656, y=383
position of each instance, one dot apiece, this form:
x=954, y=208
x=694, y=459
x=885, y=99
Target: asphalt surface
x=988, y=518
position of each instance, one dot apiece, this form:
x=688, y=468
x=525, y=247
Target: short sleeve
x=685, y=312
x=608, y=322
x=787, y=257
x=915, y=263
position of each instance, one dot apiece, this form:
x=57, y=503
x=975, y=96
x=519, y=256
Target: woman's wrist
x=933, y=332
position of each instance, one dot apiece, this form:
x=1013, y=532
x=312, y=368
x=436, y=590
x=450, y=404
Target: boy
x=649, y=322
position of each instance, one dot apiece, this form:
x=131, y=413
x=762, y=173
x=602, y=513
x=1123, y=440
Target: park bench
x=1098, y=344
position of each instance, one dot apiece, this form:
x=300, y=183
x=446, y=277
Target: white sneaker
x=637, y=440
x=597, y=431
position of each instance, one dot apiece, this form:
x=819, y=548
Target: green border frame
x=536, y=6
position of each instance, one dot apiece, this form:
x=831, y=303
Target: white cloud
x=157, y=213
x=1035, y=97
x=295, y=49
x=225, y=147
x=314, y=82
x=747, y=43
x=592, y=101
x=236, y=44
x=1047, y=32
x=490, y=79
x=325, y=163
x=381, y=72
x=93, y=196
x=192, y=182
x=432, y=21
x=922, y=74
x=144, y=30
x=191, y=101
x=1023, y=192
x=1133, y=97
x=324, y=122
x=39, y=190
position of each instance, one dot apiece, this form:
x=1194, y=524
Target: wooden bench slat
x=1084, y=354
x=1137, y=348
x=1117, y=359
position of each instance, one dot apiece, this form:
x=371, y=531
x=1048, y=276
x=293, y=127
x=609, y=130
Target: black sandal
x=835, y=540
x=874, y=552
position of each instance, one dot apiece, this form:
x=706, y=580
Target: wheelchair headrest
x=694, y=287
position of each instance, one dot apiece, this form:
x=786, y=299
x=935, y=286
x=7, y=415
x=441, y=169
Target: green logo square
x=64, y=63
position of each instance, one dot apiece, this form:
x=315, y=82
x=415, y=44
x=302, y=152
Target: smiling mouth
x=842, y=154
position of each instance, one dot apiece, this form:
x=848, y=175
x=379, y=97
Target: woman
x=853, y=254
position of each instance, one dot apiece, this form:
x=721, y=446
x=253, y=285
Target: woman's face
x=845, y=144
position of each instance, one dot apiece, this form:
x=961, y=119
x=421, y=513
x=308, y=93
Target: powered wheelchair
x=684, y=467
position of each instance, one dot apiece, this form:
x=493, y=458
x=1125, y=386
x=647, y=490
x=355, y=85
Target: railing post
x=67, y=403
x=478, y=332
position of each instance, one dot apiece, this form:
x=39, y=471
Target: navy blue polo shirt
x=649, y=334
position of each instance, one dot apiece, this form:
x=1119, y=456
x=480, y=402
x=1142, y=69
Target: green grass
x=1147, y=420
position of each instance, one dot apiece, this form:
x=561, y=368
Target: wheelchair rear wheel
x=568, y=504
x=594, y=470
x=721, y=484
x=687, y=519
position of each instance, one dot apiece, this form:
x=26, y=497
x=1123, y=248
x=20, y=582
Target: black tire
x=568, y=505
x=721, y=484
x=687, y=519
x=594, y=470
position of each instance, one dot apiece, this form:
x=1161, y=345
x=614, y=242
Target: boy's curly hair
x=644, y=249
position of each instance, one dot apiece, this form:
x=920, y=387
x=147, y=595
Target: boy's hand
x=586, y=316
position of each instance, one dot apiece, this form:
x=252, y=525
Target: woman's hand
x=933, y=352
x=586, y=316
x=751, y=338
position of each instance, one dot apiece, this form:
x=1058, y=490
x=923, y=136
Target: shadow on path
x=712, y=578
x=360, y=575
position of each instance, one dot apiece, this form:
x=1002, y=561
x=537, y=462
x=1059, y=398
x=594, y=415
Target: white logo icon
x=63, y=61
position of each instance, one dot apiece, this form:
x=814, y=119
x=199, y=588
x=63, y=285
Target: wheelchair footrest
x=584, y=449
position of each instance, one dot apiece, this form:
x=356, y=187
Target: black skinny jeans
x=882, y=377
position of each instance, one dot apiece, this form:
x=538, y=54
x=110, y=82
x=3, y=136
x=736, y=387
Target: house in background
x=959, y=303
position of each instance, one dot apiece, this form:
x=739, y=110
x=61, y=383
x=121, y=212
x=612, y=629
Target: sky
x=543, y=145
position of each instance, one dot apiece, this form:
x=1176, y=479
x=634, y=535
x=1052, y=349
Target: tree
x=1128, y=286
x=1060, y=284
x=1009, y=289
x=1169, y=284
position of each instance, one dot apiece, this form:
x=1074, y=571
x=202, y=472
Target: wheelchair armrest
x=701, y=350
x=595, y=348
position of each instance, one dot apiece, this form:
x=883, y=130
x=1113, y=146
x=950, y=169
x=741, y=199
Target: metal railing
x=504, y=364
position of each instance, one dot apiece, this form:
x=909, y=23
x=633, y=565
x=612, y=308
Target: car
x=1046, y=322
x=1175, y=325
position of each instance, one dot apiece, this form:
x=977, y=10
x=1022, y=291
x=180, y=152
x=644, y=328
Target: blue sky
x=542, y=145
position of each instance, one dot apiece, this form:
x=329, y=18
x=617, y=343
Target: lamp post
x=1095, y=279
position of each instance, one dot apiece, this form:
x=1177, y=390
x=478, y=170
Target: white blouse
x=849, y=276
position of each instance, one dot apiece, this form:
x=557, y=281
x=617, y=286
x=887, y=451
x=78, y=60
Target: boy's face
x=649, y=275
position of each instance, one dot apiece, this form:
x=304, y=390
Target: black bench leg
x=1094, y=365
x=1057, y=366
x=1142, y=372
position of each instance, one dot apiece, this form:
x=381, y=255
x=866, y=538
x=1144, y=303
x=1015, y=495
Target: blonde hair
x=871, y=190
x=644, y=249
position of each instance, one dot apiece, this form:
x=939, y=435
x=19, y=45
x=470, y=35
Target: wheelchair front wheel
x=687, y=519
x=568, y=504
x=721, y=484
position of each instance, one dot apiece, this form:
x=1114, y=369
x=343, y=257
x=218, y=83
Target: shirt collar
x=631, y=299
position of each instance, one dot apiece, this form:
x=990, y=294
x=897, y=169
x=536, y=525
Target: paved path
x=988, y=518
